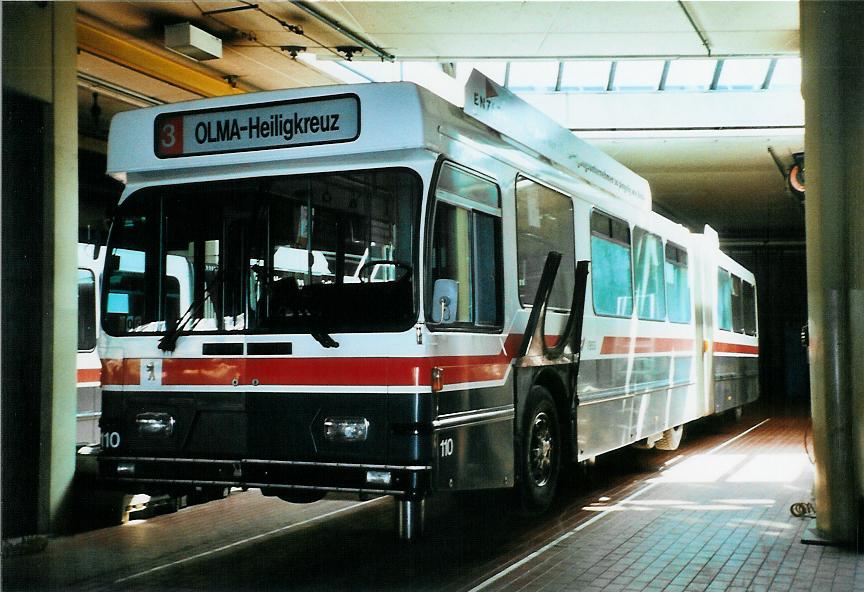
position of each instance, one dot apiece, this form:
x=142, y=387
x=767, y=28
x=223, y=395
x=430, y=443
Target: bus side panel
x=475, y=456
x=614, y=412
x=603, y=426
x=736, y=381
x=474, y=445
x=89, y=406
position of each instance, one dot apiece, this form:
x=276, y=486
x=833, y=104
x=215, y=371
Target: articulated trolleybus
x=376, y=294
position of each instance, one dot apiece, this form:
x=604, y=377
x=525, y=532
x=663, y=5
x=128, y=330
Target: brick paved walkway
x=715, y=521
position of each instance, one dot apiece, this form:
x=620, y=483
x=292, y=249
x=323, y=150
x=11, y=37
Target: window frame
x=662, y=267
x=94, y=311
x=719, y=327
x=612, y=239
x=155, y=207
x=738, y=320
x=571, y=228
x=754, y=317
x=679, y=251
x=473, y=208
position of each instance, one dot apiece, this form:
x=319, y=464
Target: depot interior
x=703, y=99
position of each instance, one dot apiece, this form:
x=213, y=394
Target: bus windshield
x=317, y=253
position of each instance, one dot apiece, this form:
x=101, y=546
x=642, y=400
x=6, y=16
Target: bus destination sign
x=260, y=127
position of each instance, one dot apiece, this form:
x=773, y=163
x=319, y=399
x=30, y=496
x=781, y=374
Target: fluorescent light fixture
x=188, y=40
x=331, y=68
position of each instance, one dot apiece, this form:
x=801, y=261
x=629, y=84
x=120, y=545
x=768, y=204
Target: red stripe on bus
x=372, y=371
x=119, y=372
x=735, y=348
x=644, y=345
x=89, y=374
x=332, y=371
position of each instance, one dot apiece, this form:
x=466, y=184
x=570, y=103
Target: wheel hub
x=541, y=450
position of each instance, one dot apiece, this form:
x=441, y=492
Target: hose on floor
x=803, y=510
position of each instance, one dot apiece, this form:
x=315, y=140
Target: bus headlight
x=383, y=478
x=346, y=429
x=125, y=469
x=155, y=424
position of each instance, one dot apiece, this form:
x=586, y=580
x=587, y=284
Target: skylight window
x=587, y=76
x=637, y=75
x=496, y=71
x=787, y=74
x=533, y=76
x=690, y=75
x=376, y=71
x=743, y=74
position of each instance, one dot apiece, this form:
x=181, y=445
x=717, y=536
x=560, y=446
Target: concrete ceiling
x=721, y=173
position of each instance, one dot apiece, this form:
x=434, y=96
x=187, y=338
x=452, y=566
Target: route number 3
x=169, y=136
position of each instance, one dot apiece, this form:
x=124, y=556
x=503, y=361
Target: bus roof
x=344, y=120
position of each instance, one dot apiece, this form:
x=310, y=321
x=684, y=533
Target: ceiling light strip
x=144, y=61
x=335, y=25
x=118, y=92
x=595, y=57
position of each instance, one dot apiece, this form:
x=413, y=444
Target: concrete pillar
x=39, y=62
x=62, y=224
x=833, y=71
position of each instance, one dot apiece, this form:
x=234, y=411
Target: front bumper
x=161, y=473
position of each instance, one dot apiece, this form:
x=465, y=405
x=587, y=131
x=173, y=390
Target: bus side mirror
x=445, y=301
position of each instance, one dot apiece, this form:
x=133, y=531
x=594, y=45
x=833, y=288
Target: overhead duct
x=118, y=50
x=188, y=40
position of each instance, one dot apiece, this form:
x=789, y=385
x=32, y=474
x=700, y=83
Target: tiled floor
x=718, y=520
x=713, y=515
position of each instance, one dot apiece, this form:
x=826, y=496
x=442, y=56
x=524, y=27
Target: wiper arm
x=324, y=339
x=169, y=340
x=285, y=294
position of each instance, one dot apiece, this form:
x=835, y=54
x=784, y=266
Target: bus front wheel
x=540, y=453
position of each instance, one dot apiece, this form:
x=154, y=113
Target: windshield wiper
x=324, y=339
x=286, y=295
x=169, y=340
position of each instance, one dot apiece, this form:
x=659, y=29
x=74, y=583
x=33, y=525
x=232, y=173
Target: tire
x=671, y=438
x=539, y=460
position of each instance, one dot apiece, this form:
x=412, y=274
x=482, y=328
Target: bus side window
x=544, y=222
x=724, y=299
x=677, y=284
x=749, y=293
x=86, y=310
x=650, y=288
x=737, y=305
x=611, y=277
x=465, y=268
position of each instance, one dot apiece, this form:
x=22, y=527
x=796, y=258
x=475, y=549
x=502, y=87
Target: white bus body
x=391, y=364
x=89, y=395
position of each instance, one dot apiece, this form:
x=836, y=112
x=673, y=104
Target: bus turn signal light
x=437, y=379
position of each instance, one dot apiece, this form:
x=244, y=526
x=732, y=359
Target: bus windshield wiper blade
x=324, y=339
x=169, y=340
